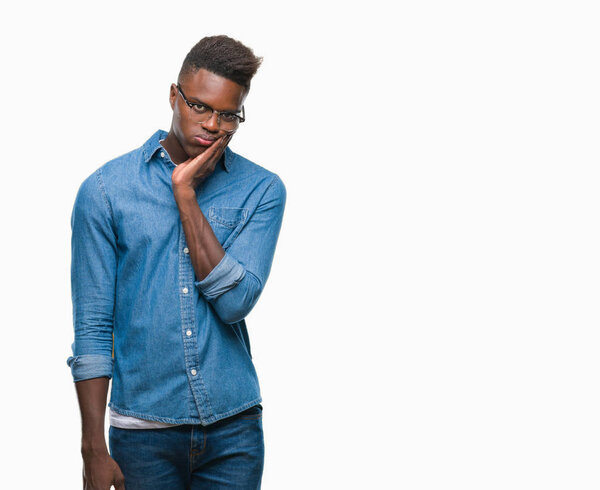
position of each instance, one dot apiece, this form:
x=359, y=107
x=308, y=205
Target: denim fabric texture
x=225, y=455
x=181, y=347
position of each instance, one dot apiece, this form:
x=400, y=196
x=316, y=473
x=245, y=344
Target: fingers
x=119, y=481
x=216, y=146
x=214, y=151
x=226, y=139
x=220, y=144
x=211, y=151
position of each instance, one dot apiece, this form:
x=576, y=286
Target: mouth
x=205, y=140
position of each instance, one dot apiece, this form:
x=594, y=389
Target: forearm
x=232, y=281
x=205, y=250
x=92, y=394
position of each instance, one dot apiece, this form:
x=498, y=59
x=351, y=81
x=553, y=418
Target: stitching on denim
x=153, y=418
x=181, y=304
x=238, y=229
x=195, y=453
x=104, y=194
x=271, y=184
x=187, y=311
x=214, y=418
x=204, y=392
x=214, y=217
x=240, y=409
x=203, y=443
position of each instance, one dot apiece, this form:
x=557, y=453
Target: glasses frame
x=191, y=105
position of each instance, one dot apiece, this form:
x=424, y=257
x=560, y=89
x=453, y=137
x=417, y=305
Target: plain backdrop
x=431, y=319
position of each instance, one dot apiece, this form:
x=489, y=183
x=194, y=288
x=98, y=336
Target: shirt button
x=185, y=290
x=189, y=333
x=194, y=372
x=186, y=250
x=162, y=154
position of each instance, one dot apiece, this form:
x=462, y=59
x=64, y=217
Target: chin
x=194, y=151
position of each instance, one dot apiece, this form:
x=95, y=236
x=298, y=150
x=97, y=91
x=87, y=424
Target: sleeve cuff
x=225, y=276
x=90, y=366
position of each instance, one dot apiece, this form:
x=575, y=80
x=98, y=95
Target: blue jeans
x=228, y=454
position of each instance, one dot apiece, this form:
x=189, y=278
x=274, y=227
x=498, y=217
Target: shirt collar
x=153, y=145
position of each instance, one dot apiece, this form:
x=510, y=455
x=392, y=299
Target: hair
x=222, y=56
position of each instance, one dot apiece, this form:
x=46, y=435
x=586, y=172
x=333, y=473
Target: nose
x=212, y=123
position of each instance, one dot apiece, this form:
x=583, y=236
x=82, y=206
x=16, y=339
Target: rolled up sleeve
x=235, y=284
x=90, y=366
x=93, y=277
x=226, y=275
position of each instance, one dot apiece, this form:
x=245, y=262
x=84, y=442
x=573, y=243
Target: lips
x=205, y=140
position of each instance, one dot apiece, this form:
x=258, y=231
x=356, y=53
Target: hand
x=188, y=175
x=100, y=472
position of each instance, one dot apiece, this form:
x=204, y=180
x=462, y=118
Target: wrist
x=184, y=193
x=93, y=448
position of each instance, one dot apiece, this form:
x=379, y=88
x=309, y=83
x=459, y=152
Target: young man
x=172, y=246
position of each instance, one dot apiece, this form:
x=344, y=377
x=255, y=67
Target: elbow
x=234, y=305
x=234, y=315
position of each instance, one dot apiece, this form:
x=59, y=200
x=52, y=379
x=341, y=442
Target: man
x=172, y=245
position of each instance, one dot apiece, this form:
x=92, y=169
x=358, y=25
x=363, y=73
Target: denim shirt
x=181, y=352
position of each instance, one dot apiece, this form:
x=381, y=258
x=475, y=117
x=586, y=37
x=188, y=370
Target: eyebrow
x=194, y=100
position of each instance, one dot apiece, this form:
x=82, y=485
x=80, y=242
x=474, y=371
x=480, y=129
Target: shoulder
x=114, y=171
x=246, y=169
x=122, y=166
x=94, y=191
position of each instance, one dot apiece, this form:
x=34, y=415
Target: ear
x=173, y=95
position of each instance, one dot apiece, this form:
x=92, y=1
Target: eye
x=200, y=108
x=228, y=117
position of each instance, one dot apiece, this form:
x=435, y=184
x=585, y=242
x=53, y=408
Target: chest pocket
x=226, y=223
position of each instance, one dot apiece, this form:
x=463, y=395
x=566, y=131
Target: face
x=221, y=94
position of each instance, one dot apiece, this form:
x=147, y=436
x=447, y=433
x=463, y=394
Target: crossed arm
x=231, y=281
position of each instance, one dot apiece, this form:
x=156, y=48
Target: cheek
x=181, y=125
x=177, y=119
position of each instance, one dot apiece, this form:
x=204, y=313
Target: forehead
x=214, y=90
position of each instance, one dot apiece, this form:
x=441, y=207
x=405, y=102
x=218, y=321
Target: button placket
x=190, y=345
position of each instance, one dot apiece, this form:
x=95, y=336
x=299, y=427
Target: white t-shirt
x=128, y=422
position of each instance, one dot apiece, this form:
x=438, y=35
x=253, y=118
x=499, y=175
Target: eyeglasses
x=200, y=112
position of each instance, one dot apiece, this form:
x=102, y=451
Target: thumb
x=119, y=481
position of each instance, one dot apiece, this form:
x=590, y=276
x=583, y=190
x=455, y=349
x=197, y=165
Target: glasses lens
x=229, y=122
x=200, y=113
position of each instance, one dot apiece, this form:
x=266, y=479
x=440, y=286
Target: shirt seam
x=104, y=194
x=271, y=184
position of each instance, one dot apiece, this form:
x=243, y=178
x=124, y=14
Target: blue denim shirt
x=181, y=347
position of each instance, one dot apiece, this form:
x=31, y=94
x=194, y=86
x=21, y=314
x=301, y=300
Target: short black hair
x=222, y=56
